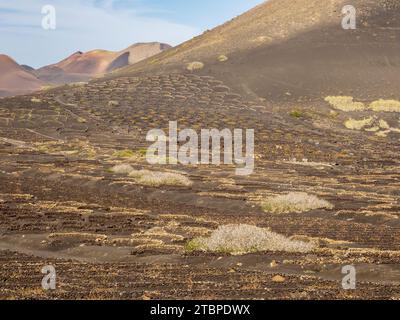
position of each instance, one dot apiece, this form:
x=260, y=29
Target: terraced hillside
x=75, y=192
x=290, y=50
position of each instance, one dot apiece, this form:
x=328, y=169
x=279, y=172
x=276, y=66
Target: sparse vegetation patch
x=113, y=103
x=75, y=147
x=244, y=239
x=196, y=65
x=294, y=202
x=152, y=178
x=296, y=114
x=77, y=84
x=36, y=100
x=122, y=169
x=359, y=124
x=385, y=106
x=345, y=103
x=157, y=179
x=124, y=154
x=383, y=124
x=222, y=58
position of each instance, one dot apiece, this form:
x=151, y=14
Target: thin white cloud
x=81, y=25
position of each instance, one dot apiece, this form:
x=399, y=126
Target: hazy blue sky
x=105, y=24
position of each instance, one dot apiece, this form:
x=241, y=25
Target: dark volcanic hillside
x=288, y=49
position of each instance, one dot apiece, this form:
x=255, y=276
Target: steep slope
x=14, y=79
x=55, y=75
x=92, y=62
x=289, y=49
x=27, y=68
x=136, y=53
x=77, y=67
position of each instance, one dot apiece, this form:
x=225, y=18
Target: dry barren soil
x=111, y=236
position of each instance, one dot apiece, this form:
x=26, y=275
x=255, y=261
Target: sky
x=83, y=25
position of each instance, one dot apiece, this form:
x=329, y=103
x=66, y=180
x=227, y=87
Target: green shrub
x=296, y=114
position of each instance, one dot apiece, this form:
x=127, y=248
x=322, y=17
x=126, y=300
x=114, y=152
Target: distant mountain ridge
x=18, y=79
x=15, y=79
x=82, y=66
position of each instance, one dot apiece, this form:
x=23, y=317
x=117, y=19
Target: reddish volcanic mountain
x=18, y=79
x=82, y=66
x=77, y=67
x=14, y=79
x=92, y=62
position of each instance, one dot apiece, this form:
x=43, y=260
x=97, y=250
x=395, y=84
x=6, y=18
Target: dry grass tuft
x=359, y=124
x=345, y=103
x=222, y=58
x=80, y=148
x=196, y=65
x=383, y=124
x=152, y=178
x=113, y=103
x=77, y=84
x=243, y=239
x=123, y=154
x=385, y=106
x=122, y=169
x=383, y=134
x=295, y=202
x=80, y=235
x=157, y=179
x=36, y=100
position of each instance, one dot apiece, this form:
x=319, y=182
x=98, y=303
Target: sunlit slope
x=288, y=49
x=14, y=79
